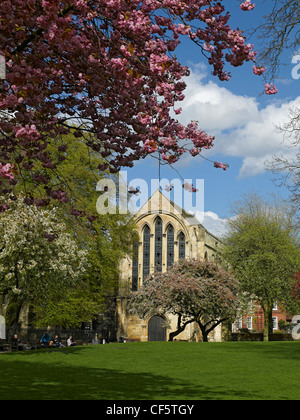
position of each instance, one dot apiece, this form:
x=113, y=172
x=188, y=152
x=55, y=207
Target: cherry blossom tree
x=193, y=290
x=108, y=68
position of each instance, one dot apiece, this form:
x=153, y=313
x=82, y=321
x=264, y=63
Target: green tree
x=105, y=238
x=262, y=247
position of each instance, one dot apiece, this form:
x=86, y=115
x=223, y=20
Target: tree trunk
x=2, y=305
x=266, y=331
x=15, y=309
x=271, y=320
x=203, y=331
x=173, y=334
x=268, y=316
x=180, y=328
x=204, y=336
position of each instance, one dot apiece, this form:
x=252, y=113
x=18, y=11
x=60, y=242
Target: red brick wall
x=258, y=319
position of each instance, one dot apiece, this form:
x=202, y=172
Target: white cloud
x=242, y=128
x=216, y=108
x=212, y=222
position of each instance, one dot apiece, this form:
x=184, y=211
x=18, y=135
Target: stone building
x=166, y=233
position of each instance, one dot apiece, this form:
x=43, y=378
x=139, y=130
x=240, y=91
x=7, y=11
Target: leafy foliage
x=262, y=247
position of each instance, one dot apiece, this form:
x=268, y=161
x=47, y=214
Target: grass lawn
x=154, y=371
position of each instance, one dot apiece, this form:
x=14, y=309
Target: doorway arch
x=156, y=331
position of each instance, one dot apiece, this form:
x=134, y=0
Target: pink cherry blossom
x=270, y=89
x=259, y=70
x=110, y=68
x=5, y=171
x=221, y=165
x=247, y=5
x=208, y=47
x=169, y=187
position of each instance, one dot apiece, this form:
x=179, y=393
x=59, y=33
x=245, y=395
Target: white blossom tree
x=39, y=261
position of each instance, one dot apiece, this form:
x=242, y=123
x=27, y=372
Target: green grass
x=154, y=371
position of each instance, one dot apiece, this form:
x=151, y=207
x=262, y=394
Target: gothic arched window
x=181, y=245
x=158, y=245
x=170, y=247
x=146, y=252
x=135, y=266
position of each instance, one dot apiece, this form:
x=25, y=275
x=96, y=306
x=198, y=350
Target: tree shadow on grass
x=49, y=380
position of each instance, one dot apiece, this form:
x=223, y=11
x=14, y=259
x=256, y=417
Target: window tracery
x=158, y=245
x=181, y=246
x=170, y=247
x=146, y=252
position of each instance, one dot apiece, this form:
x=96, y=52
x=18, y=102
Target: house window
x=249, y=322
x=239, y=323
x=170, y=247
x=135, y=266
x=275, y=322
x=158, y=245
x=181, y=244
x=146, y=252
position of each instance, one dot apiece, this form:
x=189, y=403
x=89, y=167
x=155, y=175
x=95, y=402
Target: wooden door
x=156, y=332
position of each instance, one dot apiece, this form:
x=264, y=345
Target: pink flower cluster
x=169, y=187
x=270, y=89
x=208, y=47
x=189, y=187
x=150, y=146
x=27, y=132
x=5, y=171
x=247, y=5
x=259, y=70
x=221, y=165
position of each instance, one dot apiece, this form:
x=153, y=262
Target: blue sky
x=241, y=118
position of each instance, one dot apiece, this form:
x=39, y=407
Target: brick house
x=254, y=322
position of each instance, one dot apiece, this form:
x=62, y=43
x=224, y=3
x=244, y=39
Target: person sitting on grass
x=70, y=341
x=57, y=342
x=17, y=341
